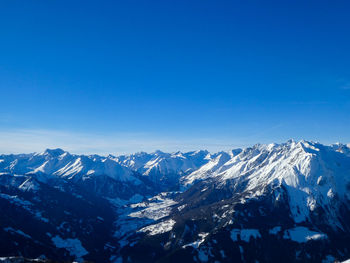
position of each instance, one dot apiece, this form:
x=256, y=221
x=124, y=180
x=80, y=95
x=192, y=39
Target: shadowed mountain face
x=285, y=202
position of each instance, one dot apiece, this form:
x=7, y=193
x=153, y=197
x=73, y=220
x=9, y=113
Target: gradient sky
x=126, y=76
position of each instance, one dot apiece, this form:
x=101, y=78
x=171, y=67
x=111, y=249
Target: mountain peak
x=54, y=152
x=159, y=152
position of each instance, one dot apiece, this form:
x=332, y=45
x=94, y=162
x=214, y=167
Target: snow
x=71, y=169
x=311, y=172
x=29, y=185
x=197, y=243
x=204, y=172
x=159, y=228
x=245, y=234
x=181, y=207
x=74, y=246
x=62, y=164
x=330, y=193
x=41, y=168
x=134, y=216
x=154, y=210
x=160, y=163
x=302, y=234
x=90, y=172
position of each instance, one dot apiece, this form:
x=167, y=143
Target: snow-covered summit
x=53, y=152
x=160, y=163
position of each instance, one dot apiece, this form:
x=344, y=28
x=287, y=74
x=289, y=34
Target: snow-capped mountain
x=285, y=202
x=315, y=175
x=163, y=167
x=59, y=163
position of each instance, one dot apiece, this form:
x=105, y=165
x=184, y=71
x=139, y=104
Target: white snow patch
x=90, y=172
x=330, y=193
x=159, y=228
x=197, y=243
x=156, y=210
x=29, y=185
x=181, y=207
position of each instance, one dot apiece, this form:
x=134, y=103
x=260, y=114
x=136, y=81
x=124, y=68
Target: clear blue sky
x=122, y=76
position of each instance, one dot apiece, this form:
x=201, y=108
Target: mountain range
x=287, y=202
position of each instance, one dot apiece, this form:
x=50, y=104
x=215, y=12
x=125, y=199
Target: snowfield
x=155, y=210
x=159, y=228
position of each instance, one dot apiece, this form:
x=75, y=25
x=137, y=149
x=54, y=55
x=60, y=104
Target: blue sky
x=125, y=76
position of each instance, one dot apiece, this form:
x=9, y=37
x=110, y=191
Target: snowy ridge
x=313, y=173
x=159, y=164
x=58, y=163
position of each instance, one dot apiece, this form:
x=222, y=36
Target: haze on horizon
x=121, y=77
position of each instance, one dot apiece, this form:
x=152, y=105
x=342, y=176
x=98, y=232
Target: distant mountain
x=58, y=163
x=165, y=168
x=286, y=202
